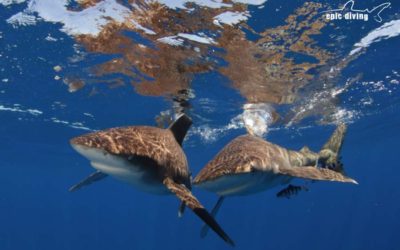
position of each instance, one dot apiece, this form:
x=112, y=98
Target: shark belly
x=244, y=183
x=140, y=176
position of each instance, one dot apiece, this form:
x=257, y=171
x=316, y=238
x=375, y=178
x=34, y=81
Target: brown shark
x=149, y=158
x=249, y=164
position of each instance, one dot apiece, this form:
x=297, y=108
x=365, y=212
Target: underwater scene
x=202, y=124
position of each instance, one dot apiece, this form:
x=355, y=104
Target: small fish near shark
x=250, y=164
x=290, y=190
x=149, y=158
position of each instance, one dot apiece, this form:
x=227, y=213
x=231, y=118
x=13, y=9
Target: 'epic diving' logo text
x=348, y=12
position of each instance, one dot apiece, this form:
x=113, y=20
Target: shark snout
x=83, y=140
x=91, y=140
x=85, y=145
x=93, y=154
x=94, y=146
x=81, y=149
x=74, y=141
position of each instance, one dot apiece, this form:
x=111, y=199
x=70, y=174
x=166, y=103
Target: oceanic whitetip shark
x=149, y=158
x=249, y=164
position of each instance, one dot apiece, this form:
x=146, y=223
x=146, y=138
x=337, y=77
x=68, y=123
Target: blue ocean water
x=39, y=115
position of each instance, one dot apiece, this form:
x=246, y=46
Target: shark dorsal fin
x=180, y=127
x=335, y=142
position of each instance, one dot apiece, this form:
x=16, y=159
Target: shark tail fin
x=180, y=127
x=329, y=156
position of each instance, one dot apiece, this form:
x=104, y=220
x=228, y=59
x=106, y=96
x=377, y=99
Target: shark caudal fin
x=180, y=127
x=329, y=156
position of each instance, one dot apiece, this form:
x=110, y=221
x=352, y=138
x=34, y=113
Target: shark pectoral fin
x=214, y=211
x=181, y=209
x=187, y=197
x=313, y=173
x=96, y=176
